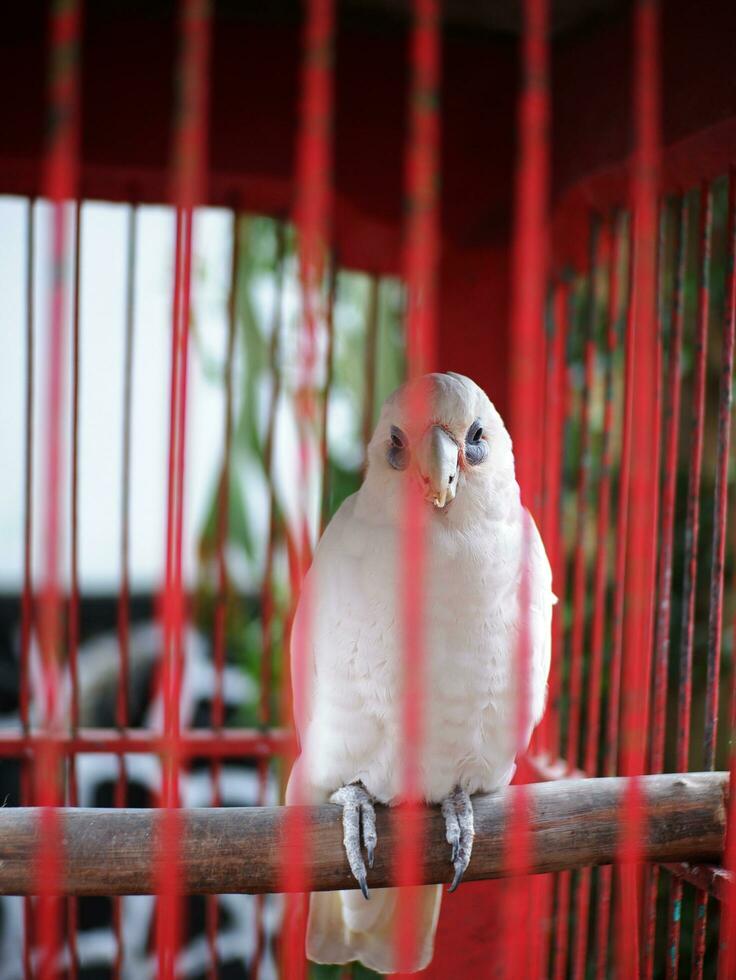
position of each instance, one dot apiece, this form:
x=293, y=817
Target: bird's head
x=457, y=451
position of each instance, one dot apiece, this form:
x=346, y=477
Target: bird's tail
x=343, y=927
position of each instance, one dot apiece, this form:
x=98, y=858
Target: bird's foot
x=458, y=813
x=358, y=818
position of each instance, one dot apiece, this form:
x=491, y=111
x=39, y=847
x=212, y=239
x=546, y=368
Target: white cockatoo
x=351, y=730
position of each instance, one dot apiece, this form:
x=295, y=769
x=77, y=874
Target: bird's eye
x=476, y=448
x=398, y=439
x=398, y=451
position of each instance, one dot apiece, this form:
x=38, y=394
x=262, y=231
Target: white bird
x=351, y=730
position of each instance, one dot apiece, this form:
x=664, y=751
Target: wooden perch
x=574, y=823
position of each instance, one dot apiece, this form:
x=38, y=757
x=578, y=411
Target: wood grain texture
x=574, y=823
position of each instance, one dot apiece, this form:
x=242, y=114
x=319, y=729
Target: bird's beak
x=437, y=462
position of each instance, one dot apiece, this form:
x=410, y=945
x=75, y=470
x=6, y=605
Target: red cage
x=553, y=190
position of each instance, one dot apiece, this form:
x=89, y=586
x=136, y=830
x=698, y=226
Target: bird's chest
x=452, y=624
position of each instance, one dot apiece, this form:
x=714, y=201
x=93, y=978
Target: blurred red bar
x=528, y=288
x=73, y=612
x=194, y=743
x=692, y=529
x=223, y=585
x=727, y=951
x=641, y=565
x=268, y=605
x=671, y=437
x=715, y=615
x=580, y=583
x=611, y=256
x=610, y=764
x=189, y=173
x=27, y=596
x=60, y=184
x=313, y=209
x=421, y=254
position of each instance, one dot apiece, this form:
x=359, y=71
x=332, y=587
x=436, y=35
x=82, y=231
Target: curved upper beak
x=437, y=462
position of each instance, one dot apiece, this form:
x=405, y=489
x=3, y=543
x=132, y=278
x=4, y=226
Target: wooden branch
x=574, y=823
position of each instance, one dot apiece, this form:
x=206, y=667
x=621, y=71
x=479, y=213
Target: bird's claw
x=358, y=820
x=458, y=813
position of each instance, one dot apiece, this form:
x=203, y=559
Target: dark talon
x=455, y=849
x=363, y=885
x=458, y=875
x=370, y=851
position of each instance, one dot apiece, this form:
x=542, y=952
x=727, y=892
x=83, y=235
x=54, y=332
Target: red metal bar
x=223, y=587
x=692, y=527
x=715, y=619
x=529, y=284
x=580, y=577
x=421, y=257
x=313, y=213
x=60, y=184
x=671, y=429
x=73, y=610
x=610, y=765
x=27, y=596
x=267, y=599
x=727, y=951
x=641, y=566
x=611, y=249
x=715, y=614
x=193, y=743
x=189, y=174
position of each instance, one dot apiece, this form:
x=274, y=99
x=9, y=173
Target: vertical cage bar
x=641, y=566
x=189, y=174
x=718, y=554
x=268, y=608
x=123, y=610
x=727, y=938
x=612, y=245
x=641, y=551
x=605, y=875
x=217, y=715
x=27, y=597
x=60, y=184
x=73, y=612
x=529, y=279
x=313, y=213
x=421, y=258
x=671, y=437
x=692, y=529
